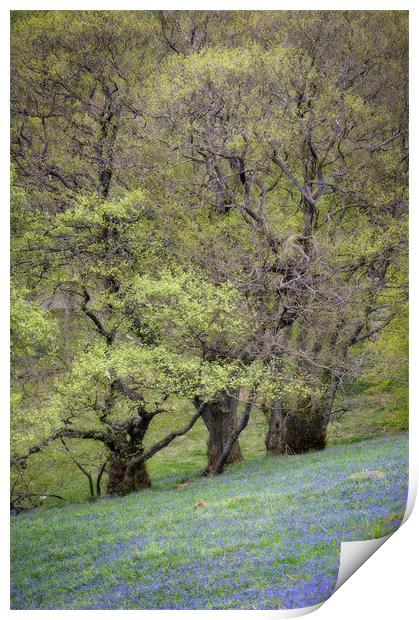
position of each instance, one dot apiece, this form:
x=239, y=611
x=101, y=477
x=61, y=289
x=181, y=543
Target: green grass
x=264, y=535
x=373, y=413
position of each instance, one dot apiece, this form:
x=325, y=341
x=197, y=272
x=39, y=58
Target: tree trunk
x=274, y=438
x=220, y=418
x=125, y=474
x=298, y=428
x=120, y=482
x=240, y=426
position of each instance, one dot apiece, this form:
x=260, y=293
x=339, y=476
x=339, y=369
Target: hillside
x=265, y=535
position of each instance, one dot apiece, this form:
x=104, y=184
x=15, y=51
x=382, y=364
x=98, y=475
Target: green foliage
x=205, y=201
x=195, y=313
x=33, y=330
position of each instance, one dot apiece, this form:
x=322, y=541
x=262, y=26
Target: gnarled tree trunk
x=125, y=474
x=220, y=418
x=298, y=427
x=118, y=481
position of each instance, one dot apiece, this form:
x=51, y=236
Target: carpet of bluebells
x=265, y=535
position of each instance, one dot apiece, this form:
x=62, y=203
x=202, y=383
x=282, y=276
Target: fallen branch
x=20, y=497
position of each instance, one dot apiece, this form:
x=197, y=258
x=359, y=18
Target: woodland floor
x=267, y=535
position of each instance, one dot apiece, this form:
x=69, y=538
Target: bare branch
x=159, y=445
x=294, y=180
x=374, y=330
x=70, y=433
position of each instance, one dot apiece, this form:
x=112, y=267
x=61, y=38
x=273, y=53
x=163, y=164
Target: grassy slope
x=268, y=535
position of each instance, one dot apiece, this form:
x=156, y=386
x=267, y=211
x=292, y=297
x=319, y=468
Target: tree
x=215, y=324
x=133, y=350
x=303, y=142
x=75, y=78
